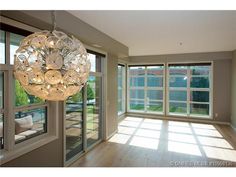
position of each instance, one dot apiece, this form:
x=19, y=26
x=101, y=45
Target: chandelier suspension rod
x=54, y=24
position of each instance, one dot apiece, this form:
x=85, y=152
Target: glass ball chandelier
x=51, y=65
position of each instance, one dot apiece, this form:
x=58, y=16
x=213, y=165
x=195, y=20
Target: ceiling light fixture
x=51, y=65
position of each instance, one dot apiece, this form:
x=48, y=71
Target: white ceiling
x=163, y=32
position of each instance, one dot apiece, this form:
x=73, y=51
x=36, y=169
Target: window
x=121, y=89
x=189, y=89
x=14, y=44
x=24, y=124
x=30, y=111
x=146, y=89
x=29, y=122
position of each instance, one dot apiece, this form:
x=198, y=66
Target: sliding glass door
x=93, y=122
x=83, y=113
x=74, y=125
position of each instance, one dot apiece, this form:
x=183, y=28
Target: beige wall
x=221, y=79
x=52, y=153
x=233, y=106
x=111, y=116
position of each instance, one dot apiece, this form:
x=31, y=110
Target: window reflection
x=73, y=125
x=2, y=47
x=93, y=109
x=15, y=40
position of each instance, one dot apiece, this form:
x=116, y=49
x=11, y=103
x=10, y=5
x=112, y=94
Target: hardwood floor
x=144, y=142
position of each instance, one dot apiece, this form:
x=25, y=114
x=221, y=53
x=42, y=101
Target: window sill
x=190, y=116
x=149, y=112
x=7, y=156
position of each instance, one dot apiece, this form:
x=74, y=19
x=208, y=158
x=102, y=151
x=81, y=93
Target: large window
x=29, y=122
x=121, y=89
x=189, y=89
x=26, y=115
x=146, y=89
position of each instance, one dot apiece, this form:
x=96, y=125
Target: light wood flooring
x=142, y=142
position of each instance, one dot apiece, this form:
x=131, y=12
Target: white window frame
x=189, y=89
x=145, y=89
x=123, y=88
x=12, y=150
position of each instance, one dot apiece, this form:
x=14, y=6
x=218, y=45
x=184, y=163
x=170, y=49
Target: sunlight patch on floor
x=206, y=132
x=184, y=148
x=184, y=138
x=181, y=124
x=134, y=119
x=129, y=123
x=217, y=142
x=180, y=137
x=149, y=143
x=119, y=138
x=153, y=121
x=126, y=130
x=148, y=133
x=151, y=126
x=178, y=129
x=219, y=153
x=203, y=126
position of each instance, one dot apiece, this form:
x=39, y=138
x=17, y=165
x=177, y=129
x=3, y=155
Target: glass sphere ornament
x=51, y=65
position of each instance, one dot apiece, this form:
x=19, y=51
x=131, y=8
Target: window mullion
x=84, y=133
x=10, y=126
x=145, y=90
x=188, y=91
x=123, y=88
x=9, y=116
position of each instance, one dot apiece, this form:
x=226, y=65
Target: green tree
x=21, y=95
x=76, y=98
x=90, y=93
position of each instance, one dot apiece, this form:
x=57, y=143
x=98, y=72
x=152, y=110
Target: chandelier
x=51, y=64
